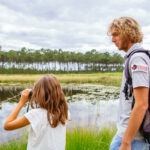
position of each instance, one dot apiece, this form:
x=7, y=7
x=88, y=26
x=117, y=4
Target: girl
x=47, y=122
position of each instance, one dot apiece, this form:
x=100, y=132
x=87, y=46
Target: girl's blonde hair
x=48, y=94
x=128, y=28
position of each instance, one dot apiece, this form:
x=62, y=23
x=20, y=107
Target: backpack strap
x=128, y=85
x=127, y=74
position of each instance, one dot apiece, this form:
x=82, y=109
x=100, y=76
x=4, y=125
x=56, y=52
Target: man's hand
x=125, y=147
x=136, y=117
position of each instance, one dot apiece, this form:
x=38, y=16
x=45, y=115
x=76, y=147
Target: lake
x=90, y=105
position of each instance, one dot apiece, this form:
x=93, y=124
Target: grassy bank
x=113, y=79
x=83, y=139
x=76, y=139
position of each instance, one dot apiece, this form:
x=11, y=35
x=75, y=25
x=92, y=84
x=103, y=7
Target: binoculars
x=30, y=94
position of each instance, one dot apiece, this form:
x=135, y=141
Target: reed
x=89, y=139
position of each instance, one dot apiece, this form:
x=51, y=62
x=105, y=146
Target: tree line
x=95, y=60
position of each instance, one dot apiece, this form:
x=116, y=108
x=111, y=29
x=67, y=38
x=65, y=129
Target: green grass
x=113, y=79
x=76, y=139
x=89, y=139
x=16, y=144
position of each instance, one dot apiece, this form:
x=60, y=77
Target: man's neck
x=129, y=46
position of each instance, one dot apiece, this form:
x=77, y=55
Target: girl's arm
x=12, y=121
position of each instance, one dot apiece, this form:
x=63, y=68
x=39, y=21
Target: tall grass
x=76, y=139
x=113, y=79
x=16, y=144
x=89, y=139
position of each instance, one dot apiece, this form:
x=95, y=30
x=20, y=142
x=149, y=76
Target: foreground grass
x=16, y=144
x=83, y=139
x=113, y=79
x=76, y=139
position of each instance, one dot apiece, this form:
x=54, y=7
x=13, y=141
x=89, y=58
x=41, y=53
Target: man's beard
x=124, y=44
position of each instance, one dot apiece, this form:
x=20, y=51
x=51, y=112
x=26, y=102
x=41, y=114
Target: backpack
x=128, y=90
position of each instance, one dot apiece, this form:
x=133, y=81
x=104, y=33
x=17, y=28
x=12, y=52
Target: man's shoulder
x=141, y=56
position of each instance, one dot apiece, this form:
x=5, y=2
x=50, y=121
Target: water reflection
x=89, y=115
x=8, y=92
x=73, y=92
x=12, y=93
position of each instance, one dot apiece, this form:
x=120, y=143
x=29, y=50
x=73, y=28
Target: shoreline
x=112, y=79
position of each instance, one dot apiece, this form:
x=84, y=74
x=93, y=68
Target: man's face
x=118, y=40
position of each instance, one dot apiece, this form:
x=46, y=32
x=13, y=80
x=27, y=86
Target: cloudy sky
x=76, y=25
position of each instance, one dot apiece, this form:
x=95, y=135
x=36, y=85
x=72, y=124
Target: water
x=90, y=106
x=6, y=109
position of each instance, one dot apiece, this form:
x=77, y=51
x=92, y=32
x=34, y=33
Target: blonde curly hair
x=128, y=28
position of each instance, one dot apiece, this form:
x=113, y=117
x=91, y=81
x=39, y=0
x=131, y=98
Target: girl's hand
x=12, y=121
x=25, y=96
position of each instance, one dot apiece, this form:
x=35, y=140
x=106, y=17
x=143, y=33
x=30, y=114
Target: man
x=127, y=36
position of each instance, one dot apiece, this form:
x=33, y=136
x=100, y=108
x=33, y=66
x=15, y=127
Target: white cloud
x=66, y=24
